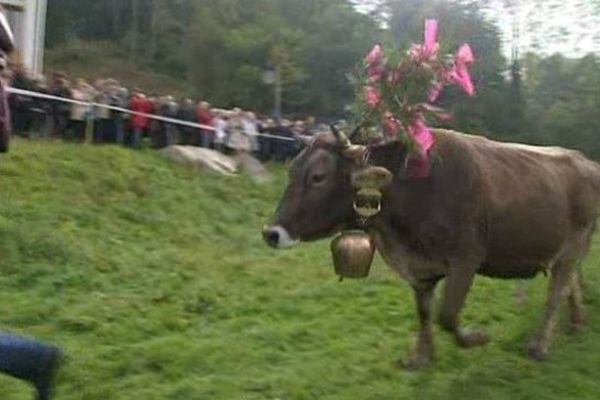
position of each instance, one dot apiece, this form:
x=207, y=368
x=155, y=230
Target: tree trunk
x=115, y=18
x=134, y=30
x=153, y=28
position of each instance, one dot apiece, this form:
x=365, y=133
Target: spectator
x=41, y=110
x=80, y=113
x=205, y=117
x=103, y=122
x=251, y=129
x=20, y=105
x=187, y=113
x=169, y=109
x=266, y=143
x=139, y=123
x=118, y=98
x=220, y=124
x=238, y=140
x=60, y=110
x=155, y=127
x=283, y=149
x=310, y=127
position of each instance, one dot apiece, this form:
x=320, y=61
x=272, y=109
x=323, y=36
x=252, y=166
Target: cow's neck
x=409, y=214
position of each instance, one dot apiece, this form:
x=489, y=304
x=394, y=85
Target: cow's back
x=531, y=199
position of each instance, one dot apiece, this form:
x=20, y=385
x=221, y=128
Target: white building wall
x=28, y=21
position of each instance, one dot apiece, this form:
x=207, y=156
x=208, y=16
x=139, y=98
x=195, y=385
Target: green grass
x=153, y=279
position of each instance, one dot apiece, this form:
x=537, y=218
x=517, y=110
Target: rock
x=218, y=162
x=201, y=158
x=253, y=167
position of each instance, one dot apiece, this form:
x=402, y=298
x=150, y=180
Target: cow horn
x=349, y=150
x=355, y=132
x=341, y=137
x=355, y=152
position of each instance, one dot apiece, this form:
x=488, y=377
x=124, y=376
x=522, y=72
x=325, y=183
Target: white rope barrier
x=174, y=121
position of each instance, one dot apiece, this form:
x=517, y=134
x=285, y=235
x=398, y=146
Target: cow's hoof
x=468, y=339
x=416, y=362
x=536, y=352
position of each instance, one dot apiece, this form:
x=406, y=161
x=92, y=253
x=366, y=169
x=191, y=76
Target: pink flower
x=434, y=91
x=375, y=56
x=460, y=73
x=396, y=75
x=371, y=95
x=375, y=73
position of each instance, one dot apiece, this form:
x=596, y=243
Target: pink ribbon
x=430, y=47
x=431, y=37
x=421, y=134
x=419, y=165
x=460, y=73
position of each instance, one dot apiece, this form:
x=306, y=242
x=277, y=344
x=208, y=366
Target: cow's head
x=318, y=201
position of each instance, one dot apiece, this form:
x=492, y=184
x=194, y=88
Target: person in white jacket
x=80, y=112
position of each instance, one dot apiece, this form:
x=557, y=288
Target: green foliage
x=564, y=98
x=221, y=48
x=218, y=50
x=154, y=280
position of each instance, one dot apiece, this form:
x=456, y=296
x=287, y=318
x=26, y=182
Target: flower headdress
x=396, y=96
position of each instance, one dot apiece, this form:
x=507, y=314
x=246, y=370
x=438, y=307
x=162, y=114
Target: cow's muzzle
x=278, y=237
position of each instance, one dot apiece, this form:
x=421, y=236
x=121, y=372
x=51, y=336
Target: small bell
x=367, y=202
x=369, y=181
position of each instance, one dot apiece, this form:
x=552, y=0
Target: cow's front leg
x=458, y=283
x=422, y=355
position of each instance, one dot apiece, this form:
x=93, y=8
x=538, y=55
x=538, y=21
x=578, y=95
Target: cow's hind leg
x=458, y=283
x=560, y=284
x=576, y=317
x=565, y=282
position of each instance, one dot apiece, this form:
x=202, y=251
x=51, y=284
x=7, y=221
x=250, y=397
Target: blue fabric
x=24, y=358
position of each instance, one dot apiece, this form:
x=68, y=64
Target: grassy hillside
x=154, y=280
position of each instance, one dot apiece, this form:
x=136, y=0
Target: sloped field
x=154, y=280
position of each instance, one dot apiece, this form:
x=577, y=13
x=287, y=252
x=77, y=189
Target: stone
x=217, y=162
x=201, y=158
x=254, y=168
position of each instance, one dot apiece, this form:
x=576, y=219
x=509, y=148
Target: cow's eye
x=317, y=178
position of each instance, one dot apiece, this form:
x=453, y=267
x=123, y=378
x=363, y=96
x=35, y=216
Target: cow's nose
x=271, y=236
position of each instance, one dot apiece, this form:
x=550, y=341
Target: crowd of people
x=228, y=131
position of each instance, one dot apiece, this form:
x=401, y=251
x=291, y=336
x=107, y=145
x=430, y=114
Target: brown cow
x=495, y=209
